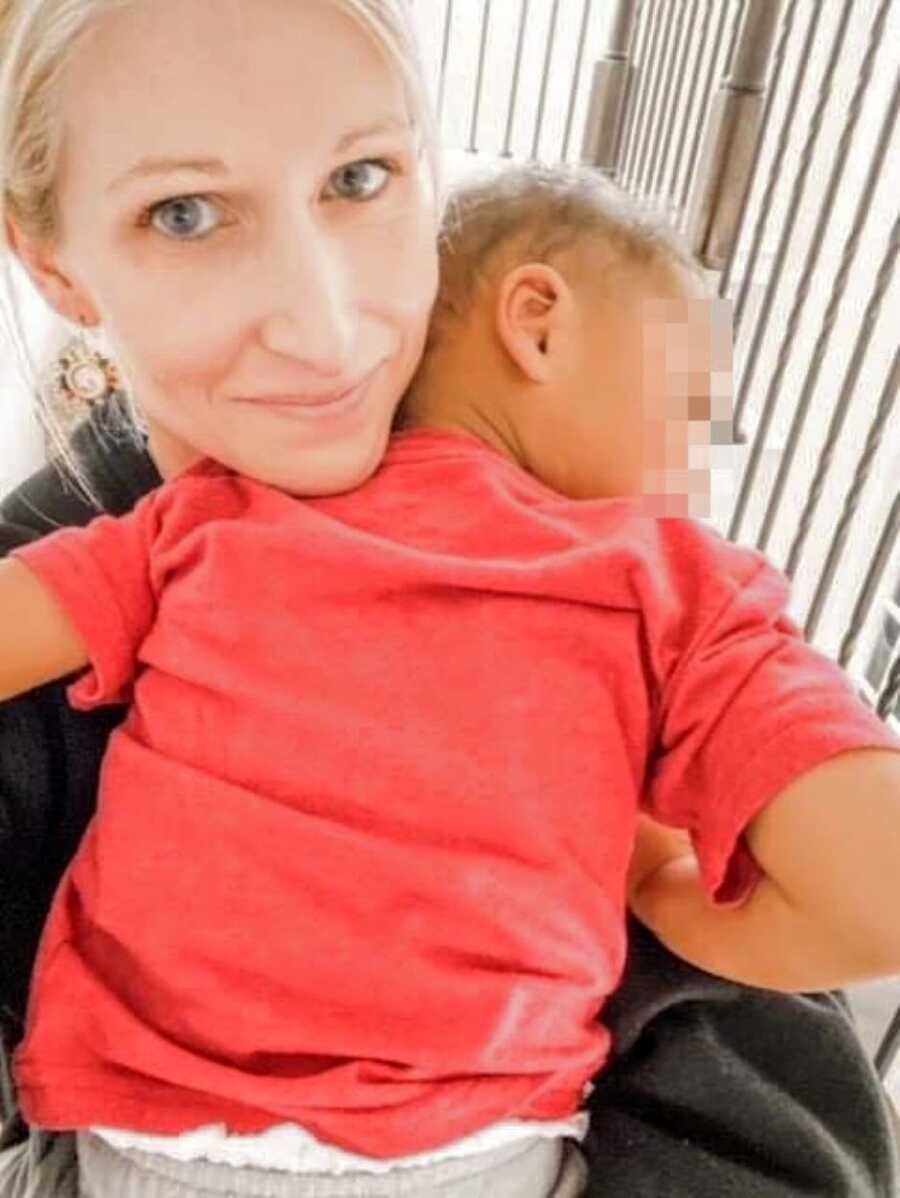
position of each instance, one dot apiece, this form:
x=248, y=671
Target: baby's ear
x=535, y=307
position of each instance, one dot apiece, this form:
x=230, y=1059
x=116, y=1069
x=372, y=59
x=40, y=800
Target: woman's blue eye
x=361, y=180
x=182, y=218
x=192, y=218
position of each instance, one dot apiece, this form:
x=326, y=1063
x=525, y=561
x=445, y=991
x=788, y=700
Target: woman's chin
x=329, y=471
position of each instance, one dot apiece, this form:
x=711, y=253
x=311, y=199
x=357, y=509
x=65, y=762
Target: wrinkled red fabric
x=359, y=855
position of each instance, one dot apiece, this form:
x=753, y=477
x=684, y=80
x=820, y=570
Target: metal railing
x=751, y=122
x=768, y=130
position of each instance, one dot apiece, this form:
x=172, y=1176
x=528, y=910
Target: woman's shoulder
x=42, y=503
x=50, y=755
x=114, y=465
x=12, y=536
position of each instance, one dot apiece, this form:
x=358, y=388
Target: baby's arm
x=87, y=595
x=37, y=640
x=788, y=783
x=825, y=912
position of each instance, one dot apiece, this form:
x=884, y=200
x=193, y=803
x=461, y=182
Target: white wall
x=21, y=440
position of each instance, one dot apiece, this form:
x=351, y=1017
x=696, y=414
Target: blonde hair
x=534, y=213
x=37, y=39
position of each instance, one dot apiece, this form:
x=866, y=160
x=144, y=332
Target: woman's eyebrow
x=167, y=166
x=390, y=124
x=154, y=166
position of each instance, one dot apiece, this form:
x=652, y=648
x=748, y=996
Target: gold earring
x=82, y=377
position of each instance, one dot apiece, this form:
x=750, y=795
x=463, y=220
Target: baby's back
x=365, y=828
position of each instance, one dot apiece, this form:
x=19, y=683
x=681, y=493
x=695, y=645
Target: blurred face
x=650, y=391
x=246, y=210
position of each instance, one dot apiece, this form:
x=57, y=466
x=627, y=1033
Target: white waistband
x=291, y=1149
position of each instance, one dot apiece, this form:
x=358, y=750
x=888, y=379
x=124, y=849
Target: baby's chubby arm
x=826, y=911
x=38, y=643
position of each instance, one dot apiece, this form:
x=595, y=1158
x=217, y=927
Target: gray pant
x=43, y=1166
x=65, y=1166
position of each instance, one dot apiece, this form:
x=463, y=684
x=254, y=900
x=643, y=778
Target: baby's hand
x=654, y=845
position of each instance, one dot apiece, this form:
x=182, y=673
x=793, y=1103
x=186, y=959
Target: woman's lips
x=336, y=402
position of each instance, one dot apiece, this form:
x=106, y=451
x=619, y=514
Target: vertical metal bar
x=675, y=108
x=576, y=79
x=806, y=56
x=622, y=29
x=542, y=101
x=663, y=124
x=848, y=386
x=787, y=29
x=665, y=49
x=887, y=701
x=794, y=209
x=637, y=76
x=838, y=289
x=718, y=62
x=602, y=130
x=702, y=112
x=517, y=72
x=871, y=583
x=732, y=137
x=886, y=404
x=733, y=40
x=626, y=114
x=445, y=55
x=655, y=20
x=479, y=82
x=692, y=96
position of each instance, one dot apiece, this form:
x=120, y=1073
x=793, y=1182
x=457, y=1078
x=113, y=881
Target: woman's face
x=245, y=208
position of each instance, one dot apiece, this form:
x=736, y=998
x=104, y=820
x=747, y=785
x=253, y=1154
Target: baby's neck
x=455, y=414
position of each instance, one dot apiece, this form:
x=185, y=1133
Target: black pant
x=725, y=1091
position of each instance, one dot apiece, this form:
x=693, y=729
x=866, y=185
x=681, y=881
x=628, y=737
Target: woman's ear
x=536, y=311
x=43, y=268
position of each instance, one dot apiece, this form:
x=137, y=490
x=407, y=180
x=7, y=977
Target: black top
x=49, y=754
x=715, y=1090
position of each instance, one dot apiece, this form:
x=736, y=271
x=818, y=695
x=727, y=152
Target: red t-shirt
x=358, y=861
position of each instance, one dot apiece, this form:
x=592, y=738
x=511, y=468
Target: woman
x=302, y=296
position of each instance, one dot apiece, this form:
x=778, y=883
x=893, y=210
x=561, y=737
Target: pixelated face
x=652, y=393
x=246, y=205
x=686, y=400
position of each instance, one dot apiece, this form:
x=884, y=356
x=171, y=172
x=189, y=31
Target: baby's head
x=576, y=334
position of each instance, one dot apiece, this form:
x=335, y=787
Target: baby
x=532, y=256
x=360, y=860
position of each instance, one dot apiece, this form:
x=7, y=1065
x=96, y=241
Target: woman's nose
x=311, y=315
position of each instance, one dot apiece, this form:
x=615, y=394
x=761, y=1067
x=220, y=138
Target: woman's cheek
x=401, y=252
x=183, y=351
